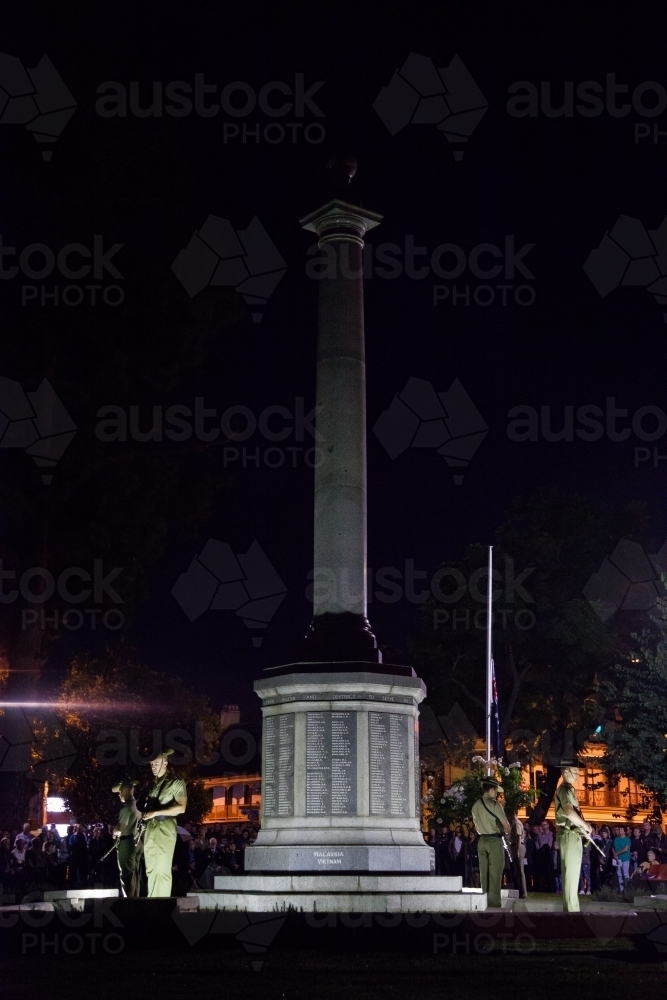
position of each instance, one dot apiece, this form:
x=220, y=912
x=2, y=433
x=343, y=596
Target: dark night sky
x=559, y=183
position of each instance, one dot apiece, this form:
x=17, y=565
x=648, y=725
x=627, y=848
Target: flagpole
x=489, y=655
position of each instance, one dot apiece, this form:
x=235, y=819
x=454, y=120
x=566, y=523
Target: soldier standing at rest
x=125, y=831
x=491, y=823
x=570, y=827
x=167, y=799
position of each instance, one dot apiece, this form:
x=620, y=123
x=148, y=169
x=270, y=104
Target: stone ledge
x=352, y=683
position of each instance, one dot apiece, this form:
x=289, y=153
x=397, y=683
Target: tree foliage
x=636, y=696
x=550, y=647
x=118, y=713
x=454, y=805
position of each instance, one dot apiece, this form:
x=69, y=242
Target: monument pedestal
x=340, y=774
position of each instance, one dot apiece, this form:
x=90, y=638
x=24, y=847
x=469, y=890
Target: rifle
x=586, y=837
x=507, y=847
x=141, y=827
x=113, y=847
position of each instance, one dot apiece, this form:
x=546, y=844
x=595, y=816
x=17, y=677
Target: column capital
x=338, y=220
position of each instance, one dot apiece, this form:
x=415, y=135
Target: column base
x=343, y=636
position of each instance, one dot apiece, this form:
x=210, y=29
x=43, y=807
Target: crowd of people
x=627, y=853
x=84, y=857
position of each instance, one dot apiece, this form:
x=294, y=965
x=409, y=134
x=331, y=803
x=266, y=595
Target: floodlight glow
x=55, y=804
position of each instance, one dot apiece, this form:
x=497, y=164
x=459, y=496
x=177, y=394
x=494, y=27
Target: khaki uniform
x=160, y=835
x=569, y=842
x=128, y=851
x=488, y=817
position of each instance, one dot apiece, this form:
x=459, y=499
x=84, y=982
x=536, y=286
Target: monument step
x=337, y=883
x=55, y=894
x=338, y=902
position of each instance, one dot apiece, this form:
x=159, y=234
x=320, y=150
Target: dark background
x=149, y=183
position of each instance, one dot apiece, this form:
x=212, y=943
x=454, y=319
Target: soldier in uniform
x=490, y=822
x=125, y=831
x=570, y=825
x=167, y=799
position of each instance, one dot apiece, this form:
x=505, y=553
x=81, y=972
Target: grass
x=587, y=969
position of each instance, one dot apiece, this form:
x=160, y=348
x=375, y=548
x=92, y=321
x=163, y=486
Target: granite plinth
x=356, y=858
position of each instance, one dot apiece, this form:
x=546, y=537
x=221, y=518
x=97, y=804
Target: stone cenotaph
x=341, y=787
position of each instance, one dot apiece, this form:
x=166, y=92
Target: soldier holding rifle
x=126, y=837
x=167, y=799
x=571, y=829
x=492, y=826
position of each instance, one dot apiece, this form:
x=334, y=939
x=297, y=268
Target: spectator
x=36, y=865
x=455, y=851
x=25, y=835
x=55, y=874
x=606, y=868
x=651, y=839
x=95, y=852
x=110, y=870
x=441, y=848
x=214, y=853
x=63, y=852
x=214, y=858
x=621, y=855
x=231, y=860
x=5, y=858
x=545, y=842
x=597, y=862
x=635, y=845
x=585, y=876
x=556, y=866
x=79, y=862
x=199, y=852
x=663, y=844
x=19, y=852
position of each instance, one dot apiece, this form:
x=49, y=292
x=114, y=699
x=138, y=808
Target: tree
x=454, y=806
x=114, y=503
x=551, y=649
x=117, y=713
x=636, y=697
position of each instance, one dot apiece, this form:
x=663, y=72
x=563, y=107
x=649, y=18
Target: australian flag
x=496, y=749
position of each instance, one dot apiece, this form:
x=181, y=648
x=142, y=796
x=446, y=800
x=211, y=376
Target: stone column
x=340, y=629
x=340, y=750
